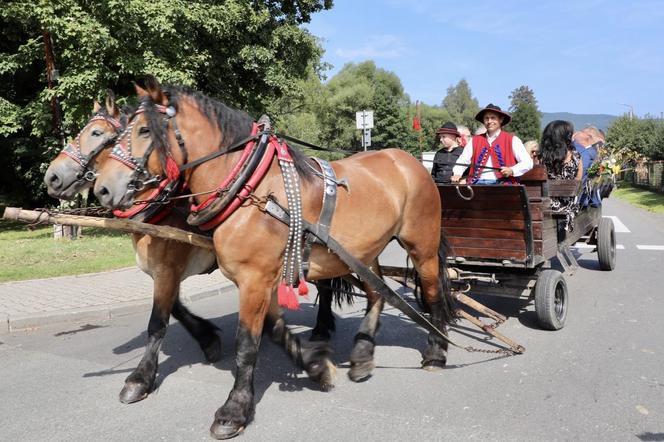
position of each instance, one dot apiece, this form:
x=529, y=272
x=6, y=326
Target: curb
x=15, y=323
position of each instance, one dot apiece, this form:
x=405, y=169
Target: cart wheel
x=551, y=300
x=606, y=244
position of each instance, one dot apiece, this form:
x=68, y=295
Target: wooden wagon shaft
x=460, y=297
x=516, y=348
x=470, y=302
x=165, y=232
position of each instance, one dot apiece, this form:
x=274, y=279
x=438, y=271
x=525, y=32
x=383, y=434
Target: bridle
x=141, y=178
x=74, y=152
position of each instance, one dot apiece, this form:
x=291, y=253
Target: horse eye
x=144, y=130
x=97, y=133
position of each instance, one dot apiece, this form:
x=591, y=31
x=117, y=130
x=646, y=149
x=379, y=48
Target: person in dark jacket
x=446, y=157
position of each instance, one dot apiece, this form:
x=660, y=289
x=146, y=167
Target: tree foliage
x=522, y=95
x=461, y=105
x=243, y=52
x=359, y=87
x=642, y=135
x=526, y=117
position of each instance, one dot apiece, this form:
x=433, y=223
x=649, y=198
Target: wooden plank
x=541, y=246
x=470, y=232
x=564, y=188
x=483, y=214
x=537, y=173
x=534, y=191
x=511, y=203
x=471, y=252
x=487, y=243
x=484, y=223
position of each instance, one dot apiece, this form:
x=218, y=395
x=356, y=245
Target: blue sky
x=584, y=56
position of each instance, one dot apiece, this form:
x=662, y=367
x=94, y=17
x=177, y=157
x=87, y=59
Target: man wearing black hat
x=496, y=157
x=447, y=156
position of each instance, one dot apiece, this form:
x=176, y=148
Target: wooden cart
x=502, y=238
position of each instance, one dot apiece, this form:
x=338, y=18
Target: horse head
x=136, y=170
x=73, y=169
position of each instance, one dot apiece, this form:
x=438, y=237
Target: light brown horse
x=167, y=262
x=390, y=195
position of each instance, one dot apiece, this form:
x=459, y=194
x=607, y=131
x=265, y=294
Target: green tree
x=522, y=95
x=244, y=52
x=359, y=87
x=526, y=117
x=642, y=135
x=461, y=105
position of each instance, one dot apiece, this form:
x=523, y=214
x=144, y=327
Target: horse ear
x=154, y=89
x=111, y=107
x=140, y=91
x=95, y=106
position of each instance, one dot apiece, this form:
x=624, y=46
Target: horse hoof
x=133, y=392
x=327, y=380
x=361, y=371
x=219, y=430
x=433, y=366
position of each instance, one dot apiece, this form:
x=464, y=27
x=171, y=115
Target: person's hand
x=506, y=171
x=463, y=181
x=456, y=178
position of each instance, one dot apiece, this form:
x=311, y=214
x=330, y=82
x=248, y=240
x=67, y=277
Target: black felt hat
x=448, y=128
x=493, y=108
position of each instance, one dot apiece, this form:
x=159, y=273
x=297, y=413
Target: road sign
x=367, y=138
x=364, y=119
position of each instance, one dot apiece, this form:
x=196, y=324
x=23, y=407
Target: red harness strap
x=273, y=147
x=231, y=176
x=172, y=174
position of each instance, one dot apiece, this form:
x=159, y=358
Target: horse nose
x=53, y=180
x=104, y=195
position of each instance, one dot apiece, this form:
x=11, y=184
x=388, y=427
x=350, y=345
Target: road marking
x=582, y=245
x=647, y=247
x=619, y=226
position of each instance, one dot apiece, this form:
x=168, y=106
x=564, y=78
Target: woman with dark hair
x=562, y=162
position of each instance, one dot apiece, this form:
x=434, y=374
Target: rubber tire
x=606, y=244
x=551, y=300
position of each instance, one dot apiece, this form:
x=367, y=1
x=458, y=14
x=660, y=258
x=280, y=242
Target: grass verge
x=30, y=254
x=651, y=201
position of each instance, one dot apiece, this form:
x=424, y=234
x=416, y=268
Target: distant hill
x=601, y=121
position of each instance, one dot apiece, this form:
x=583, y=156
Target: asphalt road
x=599, y=378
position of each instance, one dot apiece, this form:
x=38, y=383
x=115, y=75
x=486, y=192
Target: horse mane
x=233, y=124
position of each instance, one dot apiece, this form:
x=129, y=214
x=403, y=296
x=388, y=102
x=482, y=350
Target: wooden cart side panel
x=493, y=225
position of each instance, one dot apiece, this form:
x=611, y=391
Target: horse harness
x=74, y=152
x=237, y=188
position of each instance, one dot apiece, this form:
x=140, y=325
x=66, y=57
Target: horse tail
x=445, y=284
x=342, y=291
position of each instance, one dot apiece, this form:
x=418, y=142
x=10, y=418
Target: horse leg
x=325, y=318
x=141, y=381
x=362, y=356
x=436, y=294
x=202, y=330
x=233, y=416
x=312, y=357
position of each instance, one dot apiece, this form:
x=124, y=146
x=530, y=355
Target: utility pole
x=631, y=110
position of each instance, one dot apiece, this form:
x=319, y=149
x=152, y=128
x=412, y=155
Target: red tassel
x=302, y=289
x=287, y=297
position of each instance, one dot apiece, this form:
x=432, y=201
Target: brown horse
x=389, y=195
x=167, y=262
